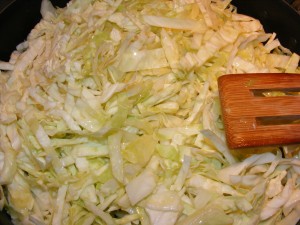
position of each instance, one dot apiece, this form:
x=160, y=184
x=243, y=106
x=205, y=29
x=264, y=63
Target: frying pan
x=18, y=17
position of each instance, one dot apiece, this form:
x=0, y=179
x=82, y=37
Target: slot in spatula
x=260, y=109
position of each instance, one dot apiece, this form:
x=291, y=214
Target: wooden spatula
x=250, y=118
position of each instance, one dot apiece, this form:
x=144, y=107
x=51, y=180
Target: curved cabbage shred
x=110, y=115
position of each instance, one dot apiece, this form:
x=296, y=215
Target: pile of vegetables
x=110, y=115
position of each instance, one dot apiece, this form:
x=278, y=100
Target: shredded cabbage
x=110, y=115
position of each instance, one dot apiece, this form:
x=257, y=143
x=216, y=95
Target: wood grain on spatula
x=250, y=118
